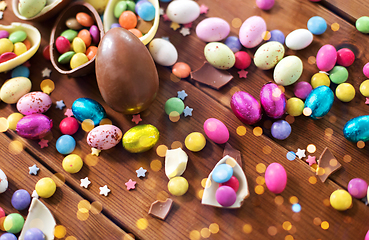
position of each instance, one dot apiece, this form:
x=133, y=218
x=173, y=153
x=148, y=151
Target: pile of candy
x=13, y=44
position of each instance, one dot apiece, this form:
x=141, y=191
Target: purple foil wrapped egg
x=34, y=126
x=273, y=100
x=246, y=107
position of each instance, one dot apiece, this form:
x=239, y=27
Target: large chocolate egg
x=125, y=72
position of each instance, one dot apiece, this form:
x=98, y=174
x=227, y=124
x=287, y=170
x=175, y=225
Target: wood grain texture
x=115, y=166
x=350, y=10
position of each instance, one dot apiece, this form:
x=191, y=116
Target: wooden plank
x=350, y=10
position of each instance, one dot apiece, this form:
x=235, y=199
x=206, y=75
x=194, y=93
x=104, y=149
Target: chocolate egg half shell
x=125, y=72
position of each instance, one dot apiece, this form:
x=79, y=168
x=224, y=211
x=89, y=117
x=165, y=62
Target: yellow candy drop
x=364, y=88
x=13, y=120
x=345, y=92
x=340, y=200
x=19, y=48
x=72, y=163
x=45, y=187
x=77, y=60
x=195, y=141
x=295, y=106
x=6, y=45
x=178, y=186
x=78, y=45
x=320, y=79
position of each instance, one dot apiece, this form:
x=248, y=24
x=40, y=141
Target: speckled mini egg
x=13, y=89
x=273, y=100
x=3, y=182
x=104, y=137
x=246, y=107
x=268, y=55
x=320, y=101
x=251, y=31
x=34, y=102
x=357, y=129
x=140, y=138
x=86, y=108
x=288, y=70
x=34, y=126
x=219, y=55
x=212, y=29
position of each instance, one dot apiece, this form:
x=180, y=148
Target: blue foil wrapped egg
x=357, y=129
x=87, y=108
x=320, y=101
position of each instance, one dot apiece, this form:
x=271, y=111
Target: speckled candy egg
x=357, y=129
x=163, y=52
x=320, y=101
x=246, y=107
x=30, y=8
x=212, y=29
x=251, y=31
x=34, y=126
x=275, y=178
x=86, y=108
x=216, y=130
x=34, y=102
x=3, y=182
x=219, y=55
x=140, y=138
x=183, y=12
x=13, y=89
x=288, y=70
x=299, y=39
x=326, y=57
x=104, y=137
x=268, y=55
x=273, y=100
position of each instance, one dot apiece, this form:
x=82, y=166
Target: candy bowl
x=34, y=38
x=51, y=8
x=110, y=19
x=60, y=26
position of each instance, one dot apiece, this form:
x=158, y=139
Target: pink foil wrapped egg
x=326, y=57
x=273, y=100
x=246, y=107
x=275, y=178
x=34, y=102
x=34, y=126
x=216, y=130
x=104, y=137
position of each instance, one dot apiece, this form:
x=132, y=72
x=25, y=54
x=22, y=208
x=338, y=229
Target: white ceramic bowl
x=33, y=35
x=109, y=19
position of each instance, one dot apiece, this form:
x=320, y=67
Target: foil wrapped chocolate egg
x=246, y=107
x=34, y=126
x=357, y=129
x=140, y=138
x=273, y=100
x=87, y=108
x=125, y=72
x=320, y=101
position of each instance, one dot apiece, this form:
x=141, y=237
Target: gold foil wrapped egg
x=140, y=138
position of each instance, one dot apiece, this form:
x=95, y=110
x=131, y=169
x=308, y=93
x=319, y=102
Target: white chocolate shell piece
x=175, y=162
x=211, y=187
x=3, y=182
x=39, y=216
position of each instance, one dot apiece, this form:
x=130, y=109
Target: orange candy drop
x=85, y=35
x=128, y=20
x=136, y=32
x=91, y=52
x=181, y=70
x=84, y=19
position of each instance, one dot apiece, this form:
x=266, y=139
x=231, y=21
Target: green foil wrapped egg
x=140, y=138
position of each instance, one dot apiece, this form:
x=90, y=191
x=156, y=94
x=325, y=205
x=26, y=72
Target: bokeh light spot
x=60, y=231
x=174, y=116
x=307, y=111
x=317, y=221
x=272, y=230
x=91, y=160
x=332, y=119
x=15, y=147
x=231, y=162
x=296, y=208
x=105, y=121
x=324, y=225
x=82, y=215
x=47, y=86
x=4, y=125
x=96, y=207
x=241, y=130
x=71, y=238
x=259, y=189
x=247, y=228
x=328, y=132
x=257, y=131
x=260, y=167
x=312, y=60
x=360, y=144
x=312, y=180
x=288, y=237
x=266, y=35
x=200, y=193
x=311, y=148
x=142, y=223
x=333, y=162
x=335, y=27
x=286, y=225
x=214, y=228
x=267, y=150
x=176, y=144
x=278, y=200
x=290, y=119
x=195, y=235
x=291, y=156
x=156, y=165
x=260, y=180
x=236, y=22
x=161, y=150
x=87, y=125
x=347, y=158
x=294, y=200
x=84, y=204
x=205, y=233
x=326, y=202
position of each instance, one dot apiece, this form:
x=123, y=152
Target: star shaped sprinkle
x=2, y=5
x=185, y=31
x=141, y=172
x=34, y=194
x=130, y=184
x=60, y=104
x=43, y=143
x=161, y=11
x=203, y=9
x=68, y=112
x=166, y=18
x=187, y=111
x=367, y=101
x=300, y=153
x=182, y=94
x=188, y=25
x=33, y=170
x=174, y=26
x=95, y=151
x=85, y=182
x=242, y=73
x=136, y=118
x=104, y=190
x=46, y=72
x=1, y=14
x=311, y=160
x=165, y=38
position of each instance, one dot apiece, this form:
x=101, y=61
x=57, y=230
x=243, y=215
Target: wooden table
x=124, y=214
